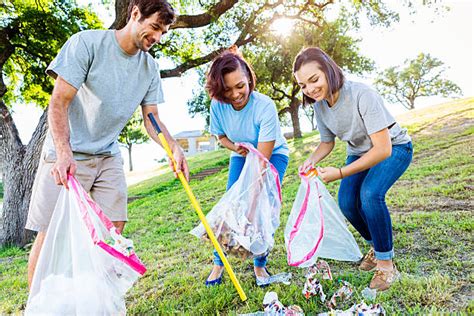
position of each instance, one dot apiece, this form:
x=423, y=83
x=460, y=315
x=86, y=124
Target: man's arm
x=63, y=93
x=175, y=148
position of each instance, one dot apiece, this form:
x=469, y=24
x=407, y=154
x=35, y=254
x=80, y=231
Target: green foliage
x=200, y=103
x=273, y=56
x=37, y=30
x=134, y=132
x=421, y=77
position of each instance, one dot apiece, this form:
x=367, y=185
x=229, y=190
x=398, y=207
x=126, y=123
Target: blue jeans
x=235, y=168
x=362, y=199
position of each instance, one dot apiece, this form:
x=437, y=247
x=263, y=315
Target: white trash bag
x=316, y=227
x=247, y=216
x=85, y=267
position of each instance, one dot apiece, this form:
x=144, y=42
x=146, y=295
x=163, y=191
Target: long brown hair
x=333, y=72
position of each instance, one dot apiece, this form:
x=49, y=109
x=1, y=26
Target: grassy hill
x=432, y=213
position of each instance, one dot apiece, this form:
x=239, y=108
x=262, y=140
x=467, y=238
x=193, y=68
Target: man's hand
x=63, y=165
x=181, y=163
x=329, y=174
x=241, y=150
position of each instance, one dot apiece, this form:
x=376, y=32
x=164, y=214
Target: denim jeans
x=362, y=198
x=235, y=168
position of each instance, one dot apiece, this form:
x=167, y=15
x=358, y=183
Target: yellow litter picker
x=196, y=206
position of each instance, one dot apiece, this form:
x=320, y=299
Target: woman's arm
x=381, y=150
x=227, y=143
x=266, y=148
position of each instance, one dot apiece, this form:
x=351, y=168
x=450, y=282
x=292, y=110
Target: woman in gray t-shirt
x=378, y=153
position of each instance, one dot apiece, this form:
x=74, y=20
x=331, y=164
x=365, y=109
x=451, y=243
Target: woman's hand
x=241, y=150
x=329, y=174
x=307, y=165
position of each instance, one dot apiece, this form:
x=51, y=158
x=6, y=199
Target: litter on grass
x=273, y=307
x=369, y=294
x=284, y=277
x=341, y=295
x=360, y=309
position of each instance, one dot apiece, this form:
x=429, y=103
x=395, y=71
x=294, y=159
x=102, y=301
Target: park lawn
x=432, y=213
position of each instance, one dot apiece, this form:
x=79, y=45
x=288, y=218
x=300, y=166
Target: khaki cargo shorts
x=103, y=177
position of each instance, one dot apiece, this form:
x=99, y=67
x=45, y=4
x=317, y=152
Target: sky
x=447, y=36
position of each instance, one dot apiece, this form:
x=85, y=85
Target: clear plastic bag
x=85, y=267
x=246, y=217
x=316, y=227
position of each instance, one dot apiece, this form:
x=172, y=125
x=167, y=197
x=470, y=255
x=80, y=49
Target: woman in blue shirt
x=240, y=114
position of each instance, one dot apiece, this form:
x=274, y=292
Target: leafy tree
x=133, y=133
x=422, y=77
x=31, y=33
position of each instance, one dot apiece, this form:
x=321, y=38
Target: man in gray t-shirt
x=101, y=77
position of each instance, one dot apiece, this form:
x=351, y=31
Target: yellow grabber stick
x=196, y=206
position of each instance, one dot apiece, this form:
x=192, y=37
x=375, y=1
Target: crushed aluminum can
x=283, y=277
x=313, y=287
x=369, y=294
x=323, y=268
x=341, y=295
x=366, y=310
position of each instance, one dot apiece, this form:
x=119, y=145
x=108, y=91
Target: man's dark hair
x=149, y=7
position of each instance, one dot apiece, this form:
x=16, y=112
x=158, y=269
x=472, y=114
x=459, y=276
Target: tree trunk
x=130, y=156
x=19, y=169
x=295, y=119
x=121, y=7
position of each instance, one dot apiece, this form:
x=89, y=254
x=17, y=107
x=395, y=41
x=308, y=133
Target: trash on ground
x=283, y=277
x=369, y=294
x=312, y=286
x=341, y=295
x=273, y=307
x=358, y=309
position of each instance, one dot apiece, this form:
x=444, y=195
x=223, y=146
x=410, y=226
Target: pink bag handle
x=272, y=167
x=299, y=221
x=131, y=260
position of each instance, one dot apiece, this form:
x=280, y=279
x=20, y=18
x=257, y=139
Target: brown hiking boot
x=369, y=262
x=383, y=279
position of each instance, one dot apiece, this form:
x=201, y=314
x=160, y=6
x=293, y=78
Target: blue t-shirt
x=256, y=122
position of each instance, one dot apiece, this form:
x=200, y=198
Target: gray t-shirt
x=358, y=113
x=111, y=84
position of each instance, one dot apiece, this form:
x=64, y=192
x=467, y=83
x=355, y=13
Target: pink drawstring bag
x=85, y=266
x=316, y=227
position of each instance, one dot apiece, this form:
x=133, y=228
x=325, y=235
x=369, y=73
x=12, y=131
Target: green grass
x=432, y=211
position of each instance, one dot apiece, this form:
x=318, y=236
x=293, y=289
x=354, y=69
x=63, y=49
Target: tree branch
x=203, y=19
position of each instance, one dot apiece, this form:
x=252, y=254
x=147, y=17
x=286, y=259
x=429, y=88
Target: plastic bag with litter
x=248, y=214
x=316, y=227
x=85, y=266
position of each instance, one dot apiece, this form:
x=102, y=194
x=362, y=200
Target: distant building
x=194, y=142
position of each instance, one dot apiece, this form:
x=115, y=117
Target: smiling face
x=148, y=31
x=313, y=81
x=237, y=90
